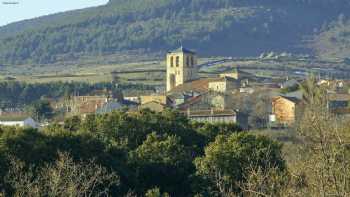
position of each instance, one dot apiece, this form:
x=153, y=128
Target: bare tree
x=324, y=162
x=63, y=178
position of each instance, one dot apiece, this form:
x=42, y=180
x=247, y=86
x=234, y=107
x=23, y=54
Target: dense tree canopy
x=146, y=150
x=228, y=27
x=228, y=160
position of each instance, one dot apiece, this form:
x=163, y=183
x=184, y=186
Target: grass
x=89, y=71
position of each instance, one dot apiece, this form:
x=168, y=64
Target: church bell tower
x=181, y=67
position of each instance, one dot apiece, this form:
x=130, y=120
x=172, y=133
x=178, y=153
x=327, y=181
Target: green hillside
x=220, y=27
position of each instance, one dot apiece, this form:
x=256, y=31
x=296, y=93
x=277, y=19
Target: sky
x=27, y=9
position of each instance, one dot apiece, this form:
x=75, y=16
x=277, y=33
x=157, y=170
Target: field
x=152, y=71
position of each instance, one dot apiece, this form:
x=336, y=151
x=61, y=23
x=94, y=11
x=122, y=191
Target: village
x=235, y=96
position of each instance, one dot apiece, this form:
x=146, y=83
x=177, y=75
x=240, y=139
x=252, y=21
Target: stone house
x=83, y=105
x=286, y=109
x=224, y=84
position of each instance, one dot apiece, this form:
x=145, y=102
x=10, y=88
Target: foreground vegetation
x=133, y=152
x=163, y=154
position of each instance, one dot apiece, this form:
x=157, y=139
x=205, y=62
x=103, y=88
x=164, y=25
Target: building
x=212, y=116
x=285, y=109
x=224, y=84
x=163, y=99
x=200, y=86
x=181, y=67
x=11, y=112
x=180, y=98
x=82, y=105
x=110, y=107
x=134, y=99
x=338, y=101
x=20, y=121
x=238, y=74
x=192, y=103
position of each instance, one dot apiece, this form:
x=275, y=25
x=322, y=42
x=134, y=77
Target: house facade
x=285, y=109
x=223, y=84
x=212, y=116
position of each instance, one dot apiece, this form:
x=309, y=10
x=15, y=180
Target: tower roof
x=182, y=50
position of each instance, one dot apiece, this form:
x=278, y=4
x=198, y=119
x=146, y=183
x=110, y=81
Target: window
x=192, y=61
x=171, y=61
x=177, y=61
x=188, y=61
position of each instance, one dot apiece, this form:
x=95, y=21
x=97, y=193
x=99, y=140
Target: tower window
x=177, y=61
x=192, y=61
x=171, y=61
x=188, y=61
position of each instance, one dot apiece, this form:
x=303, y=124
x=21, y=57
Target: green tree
x=229, y=159
x=41, y=110
x=163, y=162
x=210, y=131
x=156, y=193
x=72, y=123
x=313, y=94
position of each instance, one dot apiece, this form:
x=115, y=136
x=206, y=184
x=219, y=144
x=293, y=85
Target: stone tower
x=181, y=67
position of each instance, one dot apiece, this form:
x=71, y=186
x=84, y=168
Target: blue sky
x=27, y=9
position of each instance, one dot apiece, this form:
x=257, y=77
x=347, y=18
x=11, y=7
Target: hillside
x=220, y=27
x=335, y=41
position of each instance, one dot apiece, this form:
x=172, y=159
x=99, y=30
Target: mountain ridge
x=222, y=27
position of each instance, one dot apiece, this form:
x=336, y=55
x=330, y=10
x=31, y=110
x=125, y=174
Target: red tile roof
x=200, y=85
x=190, y=102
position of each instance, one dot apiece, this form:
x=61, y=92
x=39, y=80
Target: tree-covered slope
x=335, y=41
x=220, y=27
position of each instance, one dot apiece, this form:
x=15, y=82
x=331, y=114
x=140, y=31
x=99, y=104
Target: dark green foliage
x=145, y=149
x=228, y=160
x=41, y=110
x=221, y=27
x=163, y=157
x=72, y=123
x=210, y=131
x=290, y=89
